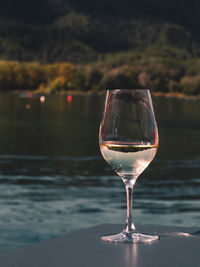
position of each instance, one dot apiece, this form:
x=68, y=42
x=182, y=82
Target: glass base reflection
x=134, y=237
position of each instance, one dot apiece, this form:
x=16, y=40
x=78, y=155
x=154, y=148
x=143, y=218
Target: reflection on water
x=53, y=179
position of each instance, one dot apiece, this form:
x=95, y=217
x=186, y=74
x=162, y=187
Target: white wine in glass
x=128, y=140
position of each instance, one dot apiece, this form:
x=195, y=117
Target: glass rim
x=127, y=90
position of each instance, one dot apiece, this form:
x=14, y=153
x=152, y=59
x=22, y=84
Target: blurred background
x=57, y=57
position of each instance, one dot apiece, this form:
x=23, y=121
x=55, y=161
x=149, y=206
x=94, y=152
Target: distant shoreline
x=67, y=78
x=174, y=95
x=35, y=93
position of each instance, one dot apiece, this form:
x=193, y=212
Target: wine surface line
x=128, y=159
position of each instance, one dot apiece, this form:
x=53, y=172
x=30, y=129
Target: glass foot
x=130, y=238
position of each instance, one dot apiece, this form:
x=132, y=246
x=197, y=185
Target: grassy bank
x=117, y=71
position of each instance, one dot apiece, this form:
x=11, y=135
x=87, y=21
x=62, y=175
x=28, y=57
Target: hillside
x=68, y=45
x=86, y=31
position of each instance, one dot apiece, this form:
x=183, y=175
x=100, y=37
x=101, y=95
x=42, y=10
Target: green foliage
x=121, y=77
x=31, y=76
x=58, y=77
x=14, y=76
x=95, y=50
x=94, y=77
x=77, y=37
x=73, y=21
x=191, y=84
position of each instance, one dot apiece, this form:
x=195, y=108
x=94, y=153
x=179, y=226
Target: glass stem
x=130, y=227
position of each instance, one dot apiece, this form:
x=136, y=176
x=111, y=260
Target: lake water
x=53, y=179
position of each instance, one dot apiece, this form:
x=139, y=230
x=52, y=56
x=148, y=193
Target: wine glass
x=128, y=140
